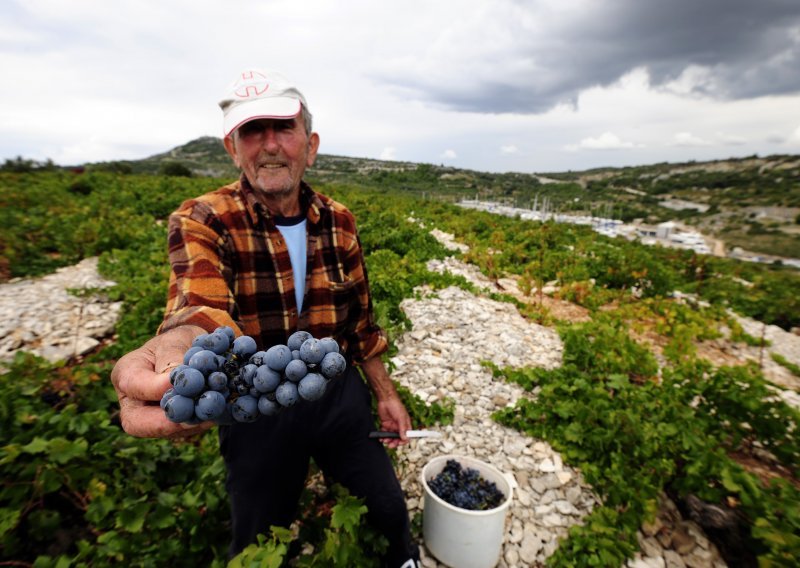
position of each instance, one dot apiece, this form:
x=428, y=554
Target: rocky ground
x=59, y=316
x=440, y=357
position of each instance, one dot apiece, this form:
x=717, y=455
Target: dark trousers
x=268, y=461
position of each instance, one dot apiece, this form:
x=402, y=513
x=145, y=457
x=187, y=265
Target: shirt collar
x=310, y=202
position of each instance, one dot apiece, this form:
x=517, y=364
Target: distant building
x=665, y=230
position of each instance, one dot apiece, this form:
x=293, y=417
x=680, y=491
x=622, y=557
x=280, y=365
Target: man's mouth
x=271, y=166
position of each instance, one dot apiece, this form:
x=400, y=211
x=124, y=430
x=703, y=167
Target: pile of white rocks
x=453, y=331
x=59, y=316
x=780, y=342
x=440, y=358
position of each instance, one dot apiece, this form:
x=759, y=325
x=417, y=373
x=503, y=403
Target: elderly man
x=268, y=256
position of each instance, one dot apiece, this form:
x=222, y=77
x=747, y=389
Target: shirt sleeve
x=199, y=293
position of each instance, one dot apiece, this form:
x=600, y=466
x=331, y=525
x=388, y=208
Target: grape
x=245, y=409
x=258, y=358
x=278, y=356
x=266, y=380
x=168, y=394
x=244, y=347
x=188, y=355
x=217, y=381
x=310, y=352
x=189, y=382
x=295, y=370
x=228, y=331
x=297, y=339
x=179, y=408
x=312, y=386
x=204, y=361
x=226, y=379
x=286, y=393
x=248, y=373
x=268, y=407
x=216, y=342
x=210, y=405
x=333, y=365
x=329, y=345
x=465, y=488
x=174, y=372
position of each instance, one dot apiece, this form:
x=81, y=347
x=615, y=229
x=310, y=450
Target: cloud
x=795, y=137
x=527, y=57
x=731, y=139
x=389, y=153
x=688, y=139
x=449, y=155
x=606, y=141
x=509, y=149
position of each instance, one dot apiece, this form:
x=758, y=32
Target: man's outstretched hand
x=142, y=376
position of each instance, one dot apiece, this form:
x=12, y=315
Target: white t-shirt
x=293, y=230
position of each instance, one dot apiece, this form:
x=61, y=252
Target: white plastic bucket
x=458, y=537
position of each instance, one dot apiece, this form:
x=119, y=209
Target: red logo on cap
x=251, y=84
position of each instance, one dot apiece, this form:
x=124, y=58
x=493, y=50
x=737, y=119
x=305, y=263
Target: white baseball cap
x=258, y=93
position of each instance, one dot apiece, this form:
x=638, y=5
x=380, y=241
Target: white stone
x=512, y=555
x=566, y=508
x=554, y=520
x=673, y=559
x=564, y=477
x=529, y=548
x=547, y=466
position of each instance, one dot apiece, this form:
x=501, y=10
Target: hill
x=752, y=202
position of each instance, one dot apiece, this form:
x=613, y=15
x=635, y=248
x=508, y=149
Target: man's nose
x=270, y=140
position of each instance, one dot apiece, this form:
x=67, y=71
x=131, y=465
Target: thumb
x=169, y=348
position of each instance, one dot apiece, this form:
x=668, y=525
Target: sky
x=489, y=85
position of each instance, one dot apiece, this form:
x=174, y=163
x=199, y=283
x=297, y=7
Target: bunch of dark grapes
x=465, y=488
x=225, y=378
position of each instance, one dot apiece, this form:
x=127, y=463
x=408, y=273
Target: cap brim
x=272, y=107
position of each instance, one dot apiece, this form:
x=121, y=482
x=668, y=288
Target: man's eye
x=251, y=129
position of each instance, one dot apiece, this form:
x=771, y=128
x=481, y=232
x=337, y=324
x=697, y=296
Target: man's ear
x=231, y=149
x=313, y=146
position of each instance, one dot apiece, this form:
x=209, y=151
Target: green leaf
x=347, y=515
x=727, y=481
x=49, y=480
x=9, y=453
x=618, y=381
x=36, y=446
x=574, y=432
x=8, y=520
x=132, y=518
x=99, y=508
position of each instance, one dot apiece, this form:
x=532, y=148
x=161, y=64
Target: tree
x=175, y=169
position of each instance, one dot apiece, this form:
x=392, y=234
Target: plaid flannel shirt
x=230, y=266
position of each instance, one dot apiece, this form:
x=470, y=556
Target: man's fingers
x=149, y=421
x=135, y=378
x=169, y=348
x=143, y=374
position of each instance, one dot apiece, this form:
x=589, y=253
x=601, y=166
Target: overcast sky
x=493, y=85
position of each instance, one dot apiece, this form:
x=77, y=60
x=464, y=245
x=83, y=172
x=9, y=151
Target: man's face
x=273, y=153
